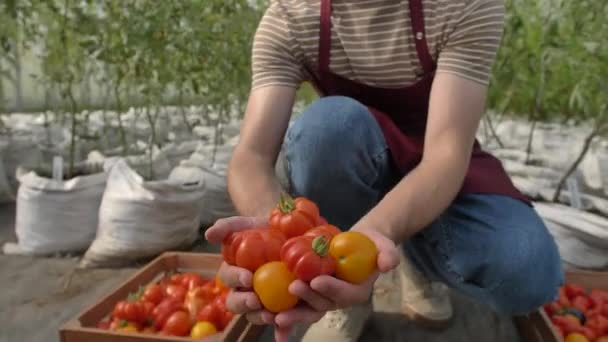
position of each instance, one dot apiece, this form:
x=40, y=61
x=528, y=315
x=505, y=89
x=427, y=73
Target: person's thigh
x=335, y=154
x=493, y=248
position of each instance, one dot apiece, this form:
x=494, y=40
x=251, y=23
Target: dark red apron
x=402, y=112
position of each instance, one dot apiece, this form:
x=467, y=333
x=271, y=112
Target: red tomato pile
x=180, y=304
x=298, y=243
x=580, y=316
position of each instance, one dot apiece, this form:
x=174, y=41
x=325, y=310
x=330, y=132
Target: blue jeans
x=493, y=248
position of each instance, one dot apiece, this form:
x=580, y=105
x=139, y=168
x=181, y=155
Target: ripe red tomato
x=307, y=257
x=563, y=298
x=131, y=311
x=294, y=217
x=175, y=291
x=602, y=339
x=163, y=310
x=581, y=303
x=573, y=290
x=211, y=313
x=327, y=230
x=598, y=323
x=103, y=324
x=177, y=324
x=192, y=280
x=251, y=249
x=153, y=293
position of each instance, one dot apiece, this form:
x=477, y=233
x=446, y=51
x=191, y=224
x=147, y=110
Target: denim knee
x=526, y=264
x=336, y=154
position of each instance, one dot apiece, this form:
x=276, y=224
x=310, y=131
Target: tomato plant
x=251, y=249
x=356, y=256
x=307, y=257
x=294, y=217
x=271, y=283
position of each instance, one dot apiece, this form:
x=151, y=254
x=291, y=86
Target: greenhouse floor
x=39, y=294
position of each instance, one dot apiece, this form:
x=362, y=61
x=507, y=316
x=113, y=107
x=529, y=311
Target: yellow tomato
x=576, y=337
x=356, y=256
x=202, y=329
x=572, y=318
x=271, y=283
x=128, y=328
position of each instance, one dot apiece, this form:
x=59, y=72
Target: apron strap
x=417, y=20
x=325, y=37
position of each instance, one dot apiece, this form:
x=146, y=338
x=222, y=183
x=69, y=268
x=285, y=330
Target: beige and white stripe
x=372, y=40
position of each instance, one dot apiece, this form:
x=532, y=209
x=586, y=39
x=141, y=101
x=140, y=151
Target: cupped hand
x=241, y=299
x=327, y=293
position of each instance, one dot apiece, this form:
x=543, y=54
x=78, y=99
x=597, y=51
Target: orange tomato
x=356, y=256
x=271, y=283
x=576, y=337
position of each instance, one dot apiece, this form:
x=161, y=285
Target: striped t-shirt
x=372, y=40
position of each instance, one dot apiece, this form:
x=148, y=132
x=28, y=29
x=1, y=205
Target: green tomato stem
x=320, y=245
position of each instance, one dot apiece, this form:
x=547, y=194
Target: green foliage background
x=552, y=66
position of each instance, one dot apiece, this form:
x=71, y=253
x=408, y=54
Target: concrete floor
x=39, y=294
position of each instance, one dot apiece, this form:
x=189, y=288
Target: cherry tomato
x=153, y=293
x=131, y=311
x=294, y=217
x=210, y=313
x=271, y=282
x=327, y=230
x=202, y=329
x=104, y=324
x=219, y=284
x=163, y=310
x=148, y=308
x=178, y=324
x=576, y=337
x=148, y=330
x=581, y=303
x=192, y=280
x=251, y=249
x=573, y=290
x=177, y=292
x=307, y=257
x=356, y=256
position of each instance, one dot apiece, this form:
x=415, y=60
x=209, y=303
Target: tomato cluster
x=179, y=304
x=298, y=243
x=578, y=315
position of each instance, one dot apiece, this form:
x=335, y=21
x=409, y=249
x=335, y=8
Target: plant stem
x=529, y=144
x=586, y=145
x=121, y=129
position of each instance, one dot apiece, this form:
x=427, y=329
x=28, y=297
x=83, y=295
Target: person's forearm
x=418, y=199
x=254, y=188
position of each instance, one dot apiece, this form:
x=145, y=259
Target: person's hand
x=327, y=293
x=241, y=299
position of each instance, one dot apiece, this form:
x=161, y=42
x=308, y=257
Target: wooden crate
x=82, y=328
x=536, y=327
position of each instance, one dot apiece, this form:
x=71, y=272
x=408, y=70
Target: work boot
x=344, y=325
x=424, y=302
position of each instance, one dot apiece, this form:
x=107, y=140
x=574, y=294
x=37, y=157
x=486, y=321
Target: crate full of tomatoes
x=177, y=297
x=579, y=314
x=298, y=243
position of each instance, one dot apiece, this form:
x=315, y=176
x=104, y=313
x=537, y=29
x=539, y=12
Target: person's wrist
x=380, y=226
